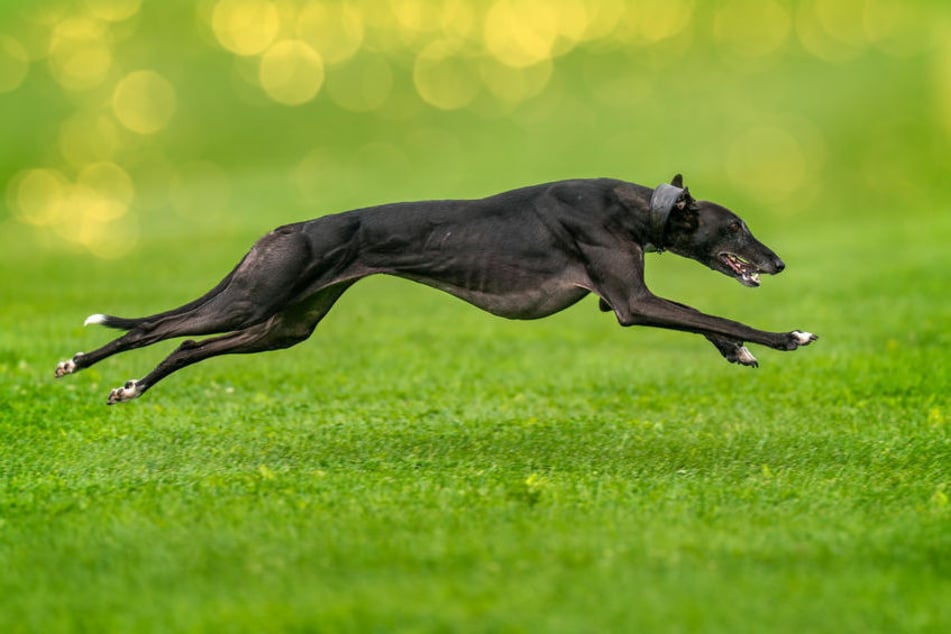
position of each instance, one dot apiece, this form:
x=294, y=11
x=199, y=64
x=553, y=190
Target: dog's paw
x=745, y=357
x=67, y=367
x=804, y=338
x=127, y=392
x=798, y=338
x=741, y=355
x=738, y=353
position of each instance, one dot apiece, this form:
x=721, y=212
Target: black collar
x=662, y=202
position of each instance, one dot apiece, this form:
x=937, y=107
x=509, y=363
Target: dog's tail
x=125, y=323
x=110, y=321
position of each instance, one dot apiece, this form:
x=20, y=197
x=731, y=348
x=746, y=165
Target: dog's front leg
x=732, y=350
x=649, y=310
x=618, y=278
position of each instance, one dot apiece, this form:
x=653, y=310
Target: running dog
x=522, y=254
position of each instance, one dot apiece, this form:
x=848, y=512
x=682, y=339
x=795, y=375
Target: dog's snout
x=779, y=265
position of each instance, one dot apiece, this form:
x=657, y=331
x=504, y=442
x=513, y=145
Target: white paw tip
x=746, y=357
x=98, y=318
x=65, y=367
x=803, y=338
x=125, y=393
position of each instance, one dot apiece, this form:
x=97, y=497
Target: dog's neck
x=661, y=204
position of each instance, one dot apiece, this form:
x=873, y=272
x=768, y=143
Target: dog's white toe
x=804, y=338
x=127, y=392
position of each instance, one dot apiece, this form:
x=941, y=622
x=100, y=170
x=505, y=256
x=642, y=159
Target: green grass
x=421, y=466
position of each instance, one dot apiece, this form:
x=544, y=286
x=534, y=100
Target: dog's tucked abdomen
x=442, y=244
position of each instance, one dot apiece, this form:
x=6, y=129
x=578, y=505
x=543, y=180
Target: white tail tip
x=95, y=319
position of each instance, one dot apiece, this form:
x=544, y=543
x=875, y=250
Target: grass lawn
x=421, y=466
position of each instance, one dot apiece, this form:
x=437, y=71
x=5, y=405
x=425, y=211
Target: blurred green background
x=126, y=119
x=419, y=465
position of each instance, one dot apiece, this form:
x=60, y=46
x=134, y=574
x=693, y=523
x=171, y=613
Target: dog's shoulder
x=599, y=194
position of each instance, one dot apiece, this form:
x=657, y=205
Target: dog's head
x=715, y=236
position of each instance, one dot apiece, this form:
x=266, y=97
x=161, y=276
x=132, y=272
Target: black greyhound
x=522, y=254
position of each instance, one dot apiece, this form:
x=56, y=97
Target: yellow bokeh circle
x=521, y=33
x=751, y=28
x=246, y=27
x=651, y=21
x=291, y=72
x=444, y=78
x=107, y=190
x=513, y=85
x=144, y=101
x=37, y=196
x=335, y=30
x=14, y=64
x=79, y=54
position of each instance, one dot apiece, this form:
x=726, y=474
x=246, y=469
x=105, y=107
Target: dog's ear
x=678, y=180
x=685, y=200
x=684, y=216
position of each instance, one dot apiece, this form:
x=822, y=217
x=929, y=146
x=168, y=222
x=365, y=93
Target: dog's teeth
x=755, y=277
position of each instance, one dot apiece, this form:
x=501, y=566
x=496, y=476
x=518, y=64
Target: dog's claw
x=127, y=392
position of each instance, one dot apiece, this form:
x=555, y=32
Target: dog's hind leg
x=262, y=284
x=282, y=330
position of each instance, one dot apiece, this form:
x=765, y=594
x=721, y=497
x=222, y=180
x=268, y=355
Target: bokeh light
x=751, y=28
x=144, y=101
x=108, y=189
x=651, y=21
x=894, y=27
x=457, y=21
x=37, y=196
x=89, y=212
x=80, y=55
x=133, y=108
x=14, y=64
x=246, y=27
x=513, y=85
x=521, y=33
x=335, y=30
x=291, y=72
x=813, y=20
x=443, y=77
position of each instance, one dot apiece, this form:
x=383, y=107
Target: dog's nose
x=779, y=264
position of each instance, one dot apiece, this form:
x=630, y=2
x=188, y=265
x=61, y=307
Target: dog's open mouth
x=746, y=272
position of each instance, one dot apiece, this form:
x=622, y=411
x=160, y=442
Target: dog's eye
x=735, y=226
